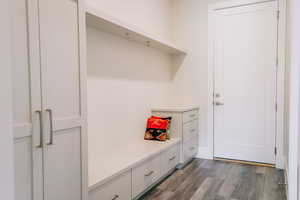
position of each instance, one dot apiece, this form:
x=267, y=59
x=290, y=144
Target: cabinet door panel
x=23, y=169
x=61, y=92
x=21, y=91
x=60, y=58
x=63, y=166
x=26, y=100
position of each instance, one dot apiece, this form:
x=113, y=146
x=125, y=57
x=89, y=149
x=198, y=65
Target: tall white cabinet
x=49, y=101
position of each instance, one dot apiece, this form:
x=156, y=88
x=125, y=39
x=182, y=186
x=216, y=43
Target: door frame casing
x=280, y=89
x=83, y=96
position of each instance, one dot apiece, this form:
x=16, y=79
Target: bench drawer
x=190, y=116
x=170, y=159
x=190, y=129
x=145, y=175
x=117, y=189
x=190, y=148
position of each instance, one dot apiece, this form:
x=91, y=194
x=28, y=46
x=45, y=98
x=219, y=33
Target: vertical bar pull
x=41, y=129
x=51, y=126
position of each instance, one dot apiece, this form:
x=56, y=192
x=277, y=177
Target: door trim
x=280, y=74
x=83, y=96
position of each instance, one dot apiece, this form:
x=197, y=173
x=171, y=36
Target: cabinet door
x=26, y=100
x=61, y=99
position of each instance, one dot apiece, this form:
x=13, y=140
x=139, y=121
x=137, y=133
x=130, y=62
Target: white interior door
x=245, y=54
x=61, y=99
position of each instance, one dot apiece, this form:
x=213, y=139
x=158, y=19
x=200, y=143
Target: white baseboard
x=204, y=153
x=286, y=172
x=286, y=183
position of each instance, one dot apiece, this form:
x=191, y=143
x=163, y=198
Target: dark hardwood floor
x=217, y=180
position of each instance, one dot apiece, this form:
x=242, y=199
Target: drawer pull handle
x=172, y=158
x=193, y=115
x=150, y=173
x=192, y=130
x=115, y=197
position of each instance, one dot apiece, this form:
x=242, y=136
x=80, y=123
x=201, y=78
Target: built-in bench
x=127, y=172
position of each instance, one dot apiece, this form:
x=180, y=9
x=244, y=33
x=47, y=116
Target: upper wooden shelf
x=107, y=23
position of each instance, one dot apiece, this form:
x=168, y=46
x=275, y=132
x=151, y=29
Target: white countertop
x=174, y=108
x=114, y=161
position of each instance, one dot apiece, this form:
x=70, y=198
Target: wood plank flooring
x=218, y=180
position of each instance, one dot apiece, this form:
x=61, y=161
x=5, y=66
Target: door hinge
x=275, y=151
x=278, y=14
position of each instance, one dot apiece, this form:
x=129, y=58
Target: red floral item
x=157, y=128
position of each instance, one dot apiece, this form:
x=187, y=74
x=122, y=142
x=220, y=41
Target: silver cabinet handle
x=192, y=130
x=41, y=129
x=51, y=126
x=219, y=103
x=193, y=115
x=172, y=158
x=115, y=197
x=150, y=173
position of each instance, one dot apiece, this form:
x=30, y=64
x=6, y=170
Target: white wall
x=152, y=16
x=190, y=30
x=125, y=80
x=6, y=142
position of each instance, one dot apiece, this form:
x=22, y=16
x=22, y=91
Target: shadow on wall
x=177, y=62
x=112, y=57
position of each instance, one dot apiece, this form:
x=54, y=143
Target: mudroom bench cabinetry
x=129, y=172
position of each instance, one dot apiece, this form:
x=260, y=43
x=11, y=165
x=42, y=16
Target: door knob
x=219, y=103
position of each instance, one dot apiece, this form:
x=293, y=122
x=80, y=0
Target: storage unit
x=48, y=100
x=100, y=20
x=184, y=125
x=127, y=176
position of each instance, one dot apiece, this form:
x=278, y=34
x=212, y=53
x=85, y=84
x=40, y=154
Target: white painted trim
x=6, y=140
x=83, y=100
x=294, y=103
x=210, y=110
x=280, y=79
x=286, y=176
x=281, y=85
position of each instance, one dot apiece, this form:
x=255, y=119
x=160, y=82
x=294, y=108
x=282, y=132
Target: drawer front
x=170, y=159
x=190, y=115
x=190, y=148
x=145, y=175
x=190, y=129
x=117, y=189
